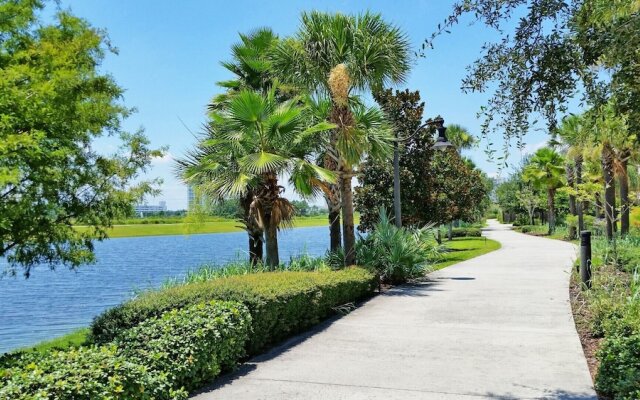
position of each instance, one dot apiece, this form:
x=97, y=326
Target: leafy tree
x=460, y=137
x=53, y=102
x=335, y=55
x=558, y=50
x=248, y=146
x=545, y=170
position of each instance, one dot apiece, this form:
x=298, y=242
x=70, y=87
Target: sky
x=169, y=57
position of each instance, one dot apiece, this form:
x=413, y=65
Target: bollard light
x=585, y=259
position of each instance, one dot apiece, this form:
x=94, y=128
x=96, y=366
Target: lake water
x=52, y=303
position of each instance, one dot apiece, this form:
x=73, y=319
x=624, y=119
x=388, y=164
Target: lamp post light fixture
x=441, y=143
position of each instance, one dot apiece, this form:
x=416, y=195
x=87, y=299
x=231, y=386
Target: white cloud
x=165, y=159
x=533, y=147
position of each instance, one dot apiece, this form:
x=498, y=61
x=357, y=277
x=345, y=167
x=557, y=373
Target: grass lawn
x=76, y=338
x=220, y=226
x=461, y=249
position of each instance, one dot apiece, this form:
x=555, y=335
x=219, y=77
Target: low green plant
x=162, y=358
x=281, y=303
x=466, y=232
x=619, y=370
x=397, y=254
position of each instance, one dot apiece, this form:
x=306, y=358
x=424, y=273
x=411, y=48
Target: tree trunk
x=450, y=231
x=397, y=206
x=623, y=180
x=598, y=209
x=348, y=228
x=271, y=235
x=334, y=230
x=572, y=198
x=254, y=231
x=609, y=190
x=551, y=193
x=580, y=204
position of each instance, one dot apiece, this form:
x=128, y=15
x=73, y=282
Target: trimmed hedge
x=281, y=303
x=466, y=232
x=162, y=358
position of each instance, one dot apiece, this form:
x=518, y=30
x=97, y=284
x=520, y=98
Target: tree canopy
x=53, y=103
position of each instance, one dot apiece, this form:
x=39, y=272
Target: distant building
x=142, y=209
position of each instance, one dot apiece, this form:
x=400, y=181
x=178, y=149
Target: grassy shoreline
x=182, y=228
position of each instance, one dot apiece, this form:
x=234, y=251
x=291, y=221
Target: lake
x=52, y=303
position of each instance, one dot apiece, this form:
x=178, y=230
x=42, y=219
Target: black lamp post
x=441, y=144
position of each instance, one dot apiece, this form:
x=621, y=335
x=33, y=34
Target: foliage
x=53, y=102
x=397, y=254
x=85, y=373
x=466, y=232
x=619, y=372
x=551, y=53
x=162, y=358
x=281, y=303
x=437, y=187
x=189, y=346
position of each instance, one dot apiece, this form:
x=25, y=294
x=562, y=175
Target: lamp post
x=441, y=144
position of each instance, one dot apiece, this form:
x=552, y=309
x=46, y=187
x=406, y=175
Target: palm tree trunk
x=334, y=226
x=552, y=210
x=271, y=235
x=348, y=227
x=609, y=189
x=580, y=204
x=572, y=198
x=254, y=231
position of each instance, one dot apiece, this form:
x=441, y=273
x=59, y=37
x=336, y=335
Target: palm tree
x=545, y=170
x=460, y=137
x=250, y=143
x=574, y=138
x=336, y=54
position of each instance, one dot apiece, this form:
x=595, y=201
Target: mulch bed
x=582, y=316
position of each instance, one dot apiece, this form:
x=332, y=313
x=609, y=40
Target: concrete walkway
x=498, y=326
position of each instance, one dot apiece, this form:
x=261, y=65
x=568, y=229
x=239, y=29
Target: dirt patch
x=582, y=316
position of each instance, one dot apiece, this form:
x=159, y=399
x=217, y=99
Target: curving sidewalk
x=498, y=326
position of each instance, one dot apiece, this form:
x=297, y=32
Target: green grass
x=461, y=249
x=219, y=226
x=76, y=338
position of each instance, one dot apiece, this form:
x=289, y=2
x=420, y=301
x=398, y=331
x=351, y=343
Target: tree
x=460, y=137
x=250, y=143
x=53, y=102
x=530, y=200
x=558, y=50
x=545, y=170
x=336, y=54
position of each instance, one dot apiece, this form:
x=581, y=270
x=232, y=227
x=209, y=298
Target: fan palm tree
x=545, y=170
x=460, y=137
x=334, y=55
x=249, y=145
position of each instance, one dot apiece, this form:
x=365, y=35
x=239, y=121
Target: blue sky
x=169, y=54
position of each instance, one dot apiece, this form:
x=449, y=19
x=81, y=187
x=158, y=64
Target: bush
x=619, y=371
x=397, y=254
x=162, y=358
x=466, y=232
x=280, y=303
x=190, y=346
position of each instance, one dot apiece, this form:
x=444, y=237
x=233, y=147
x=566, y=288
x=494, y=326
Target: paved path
x=498, y=326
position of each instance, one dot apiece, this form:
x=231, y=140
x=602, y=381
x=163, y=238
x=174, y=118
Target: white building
x=142, y=209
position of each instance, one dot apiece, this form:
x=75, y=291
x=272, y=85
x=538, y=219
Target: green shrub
x=162, y=358
x=466, y=232
x=280, y=303
x=397, y=254
x=190, y=346
x=83, y=373
x=619, y=371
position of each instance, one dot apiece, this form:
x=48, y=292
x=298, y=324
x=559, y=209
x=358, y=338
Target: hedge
x=162, y=358
x=281, y=303
x=466, y=232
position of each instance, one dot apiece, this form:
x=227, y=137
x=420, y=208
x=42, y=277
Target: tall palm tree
x=266, y=139
x=337, y=54
x=546, y=170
